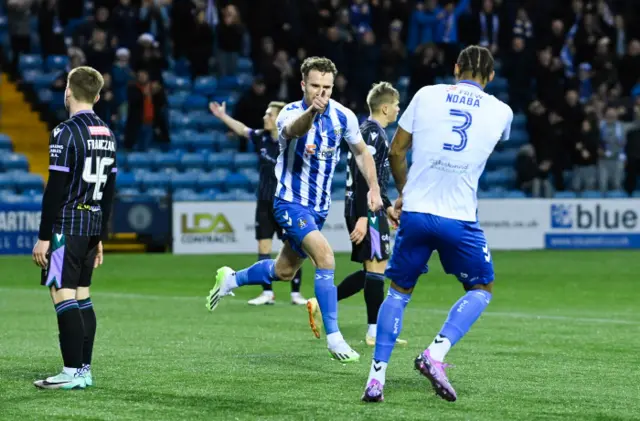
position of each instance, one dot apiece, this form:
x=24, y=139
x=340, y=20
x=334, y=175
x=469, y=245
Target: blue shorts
x=297, y=221
x=461, y=245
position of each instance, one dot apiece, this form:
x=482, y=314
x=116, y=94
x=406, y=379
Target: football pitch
x=560, y=341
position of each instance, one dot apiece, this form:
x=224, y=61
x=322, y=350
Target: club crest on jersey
x=302, y=223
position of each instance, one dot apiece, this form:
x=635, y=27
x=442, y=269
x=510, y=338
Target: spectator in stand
x=488, y=24
x=146, y=119
x=423, y=26
x=231, y=33
x=447, y=34
x=586, y=156
x=344, y=94
x=250, y=107
x=181, y=17
x=150, y=57
x=50, y=29
x=365, y=70
x=281, y=80
x=18, y=17
x=336, y=48
x=122, y=75
x=519, y=70
x=200, y=48
x=153, y=18
x=106, y=108
x=360, y=15
x=427, y=66
x=76, y=59
x=393, y=53
x=549, y=78
x=530, y=178
x=629, y=67
x=612, y=156
x=98, y=53
x=632, y=151
x=124, y=24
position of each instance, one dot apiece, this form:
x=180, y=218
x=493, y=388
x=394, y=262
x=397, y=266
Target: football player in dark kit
x=369, y=232
x=75, y=214
x=266, y=143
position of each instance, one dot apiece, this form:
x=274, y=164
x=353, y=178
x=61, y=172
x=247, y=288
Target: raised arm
x=236, y=126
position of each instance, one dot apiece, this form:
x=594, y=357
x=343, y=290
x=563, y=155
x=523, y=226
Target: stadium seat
x=616, y=194
x=188, y=180
x=519, y=121
x=519, y=137
x=26, y=181
x=245, y=64
x=5, y=143
x=490, y=194
x=7, y=182
x=243, y=160
x=185, y=195
x=252, y=175
x=155, y=180
x=56, y=63
x=176, y=101
x=126, y=180
x=236, y=181
x=140, y=160
x=204, y=142
x=514, y=194
x=29, y=62
x=339, y=180
x=228, y=83
x=338, y=193
x=565, y=195
x=14, y=161
x=179, y=121
x=220, y=160
x=205, y=85
x=182, y=68
x=168, y=160
x=591, y=194
x=128, y=191
x=212, y=180
x=506, y=158
x=195, y=102
x=193, y=161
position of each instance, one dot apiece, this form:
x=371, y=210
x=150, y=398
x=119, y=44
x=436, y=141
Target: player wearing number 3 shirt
x=75, y=212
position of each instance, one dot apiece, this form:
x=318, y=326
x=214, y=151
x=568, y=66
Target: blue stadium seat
x=188, y=180
x=140, y=160
x=14, y=161
x=338, y=193
x=179, y=142
x=26, y=181
x=185, y=195
x=168, y=160
x=226, y=143
x=243, y=195
x=342, y=163
x=178, y=84
x=195, y=102
x=204, y=142
x=514, y=194
x=220, y=160
x=7, y=182
x=245, y=160
x=179, y=121
x=490, y=194
x=565, y=195
x=226, y=197
x=128, y=191
x=499, y=84
x=127, y=180
x=208, y=195
x=157, y=192
x=339, y=180
x=29, y=62
x=121, y=161
x=182, y=68
x=499, y=178
x=5, y=143
x=176, y=101
x=591, y=194
x=252, y=175
x=205, y=85
x=518, y=137
x=228, y=83
x=208, y=122
x=213, y=180
x=236, y=181
x=519, y=121
x=156, y=180
x=506, y=158
x=56, y=63
x=245, y=64
x=193, y=161
x=43, y=80
x=616, y=194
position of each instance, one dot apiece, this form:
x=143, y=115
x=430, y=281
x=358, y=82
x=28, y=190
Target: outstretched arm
x=367, y=166
x=236, y=126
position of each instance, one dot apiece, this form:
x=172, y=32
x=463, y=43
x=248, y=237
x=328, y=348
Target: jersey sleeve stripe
x=59, y=168
x=114, y=170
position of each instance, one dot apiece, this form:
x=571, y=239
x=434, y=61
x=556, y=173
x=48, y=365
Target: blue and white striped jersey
x=306, y=164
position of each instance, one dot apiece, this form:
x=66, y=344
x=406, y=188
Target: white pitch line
x=202, y=299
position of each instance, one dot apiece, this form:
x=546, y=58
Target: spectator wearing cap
x=122, y=76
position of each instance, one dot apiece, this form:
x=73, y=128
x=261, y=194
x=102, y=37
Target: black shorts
x=71, y=260
x=266, y=224
x=376, y=244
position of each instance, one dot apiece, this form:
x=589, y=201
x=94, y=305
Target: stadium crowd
x=573, y=67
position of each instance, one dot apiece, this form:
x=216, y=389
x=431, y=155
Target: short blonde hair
x=381, y=93
x=85, y=84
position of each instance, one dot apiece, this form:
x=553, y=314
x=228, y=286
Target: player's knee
x=284, y=272
x=325, y=259
x=82, y=293
x=64, y=294
x=401, y=289
x=485, y=287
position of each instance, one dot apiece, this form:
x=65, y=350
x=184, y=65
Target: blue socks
x=389, y=324
x=260, y=273
x=464, y=313
x=327, y=296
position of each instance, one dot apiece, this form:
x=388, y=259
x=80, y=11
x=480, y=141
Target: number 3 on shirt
x=461, y=130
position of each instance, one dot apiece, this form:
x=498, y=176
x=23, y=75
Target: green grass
x=561, y=340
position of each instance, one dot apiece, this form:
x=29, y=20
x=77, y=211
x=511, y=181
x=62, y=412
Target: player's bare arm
x=301, y=125
x=220, y=111
x=398, y=157
x=367, y=166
